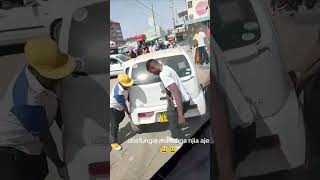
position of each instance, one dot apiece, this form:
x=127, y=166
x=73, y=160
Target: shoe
x=116, y=147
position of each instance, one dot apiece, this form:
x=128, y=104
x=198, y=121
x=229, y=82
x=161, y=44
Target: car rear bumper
x=79, y=157
x=288, y=126
x=198, y=108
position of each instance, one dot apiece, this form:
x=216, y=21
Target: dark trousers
x=203, y=55
x=172, y=113
x=116, y=119
x=17, y=165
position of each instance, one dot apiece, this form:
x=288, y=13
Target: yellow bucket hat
x=44, y=55
x=124, y=80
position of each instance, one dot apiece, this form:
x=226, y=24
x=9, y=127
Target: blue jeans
x=203, y=55
x=116, y=119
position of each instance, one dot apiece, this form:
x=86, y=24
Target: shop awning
x=152, y=38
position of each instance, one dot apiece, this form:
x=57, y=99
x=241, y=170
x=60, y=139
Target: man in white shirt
x=118, y=107
x=201, y=38
x=176, y=95
x=27, y=111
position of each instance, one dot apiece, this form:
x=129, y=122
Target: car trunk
x=150, y=95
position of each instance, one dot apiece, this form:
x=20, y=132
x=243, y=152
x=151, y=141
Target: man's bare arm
x=51, y=150
x=175, y=91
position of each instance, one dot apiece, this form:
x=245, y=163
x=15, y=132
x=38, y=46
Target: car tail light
x=99, y=169
x=145, y=115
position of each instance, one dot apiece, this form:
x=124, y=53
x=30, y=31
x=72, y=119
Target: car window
x=88, y=23
x=236, y=24
x=179, y=63
x=113, y=61
x=122, y=57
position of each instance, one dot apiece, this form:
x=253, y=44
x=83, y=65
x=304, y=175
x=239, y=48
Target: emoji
x=163, y=149
x=173, y=149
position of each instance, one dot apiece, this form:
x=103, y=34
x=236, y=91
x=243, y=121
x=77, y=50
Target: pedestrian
x=201, y=47
x=28, y=109
x=118, y=107
x=132, y=54
x=176, y=96
x=195, y=45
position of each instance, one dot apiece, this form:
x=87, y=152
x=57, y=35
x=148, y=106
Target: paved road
x=142, y=161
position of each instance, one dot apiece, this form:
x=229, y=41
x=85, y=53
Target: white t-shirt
x=26, y=91
x=201, y=38
x=118, y=97
x=168, y=76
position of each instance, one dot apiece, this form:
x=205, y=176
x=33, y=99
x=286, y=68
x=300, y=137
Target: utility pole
x=154, y=22
x=174, y=21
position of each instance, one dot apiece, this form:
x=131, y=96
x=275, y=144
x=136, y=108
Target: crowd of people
x=144, y=48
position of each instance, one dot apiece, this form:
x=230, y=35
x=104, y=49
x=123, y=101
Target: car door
x=116, y=65
x=19, y=19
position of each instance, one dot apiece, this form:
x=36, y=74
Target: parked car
x=117, y=64
x=248, y=42
x=147, y=97
x=85, y=121
x=24, y=19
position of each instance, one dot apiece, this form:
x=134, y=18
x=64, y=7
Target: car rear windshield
x=178, y=63
x=236, y=24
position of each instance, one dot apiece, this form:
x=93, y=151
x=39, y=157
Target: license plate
x=163, y=117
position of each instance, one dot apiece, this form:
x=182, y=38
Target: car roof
x=116, y=55
x=159, y=54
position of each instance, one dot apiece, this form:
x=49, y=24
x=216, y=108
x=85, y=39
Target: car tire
x=55, y=29
x=136, y=128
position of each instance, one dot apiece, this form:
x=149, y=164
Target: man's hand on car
x=181, y=121
x=63, y=171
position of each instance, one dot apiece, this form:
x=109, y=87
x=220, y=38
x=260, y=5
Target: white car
x=86, y=125
x=148, y=98
x=117, y=64
x=249, y=44
x=24, y=19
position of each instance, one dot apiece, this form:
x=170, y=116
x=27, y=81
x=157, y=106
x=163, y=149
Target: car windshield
x=123, y=58
x=178, y=63
x=236, y=24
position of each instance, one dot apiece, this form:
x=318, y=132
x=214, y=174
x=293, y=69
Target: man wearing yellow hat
x=118, y=99
x=28, y=109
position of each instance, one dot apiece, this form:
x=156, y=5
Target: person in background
x=176, y=96
x=118, y=107
x=195, y=45
x=133, y=54
x=27, y=111
x=202, y=47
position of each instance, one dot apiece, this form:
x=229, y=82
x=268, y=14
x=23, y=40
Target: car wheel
x=136, y=128
x=55, y=29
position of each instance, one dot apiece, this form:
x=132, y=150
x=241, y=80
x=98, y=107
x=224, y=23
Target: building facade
x=116, y=33
x=151, y=31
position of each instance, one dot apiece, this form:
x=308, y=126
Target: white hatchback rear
x=148, y=98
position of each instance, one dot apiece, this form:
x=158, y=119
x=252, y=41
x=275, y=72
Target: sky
x=133, y=14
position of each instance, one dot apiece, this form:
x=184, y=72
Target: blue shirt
x=27, y=111
x=118, y=97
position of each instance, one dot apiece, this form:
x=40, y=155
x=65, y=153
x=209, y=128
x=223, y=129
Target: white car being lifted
x=84, y=97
